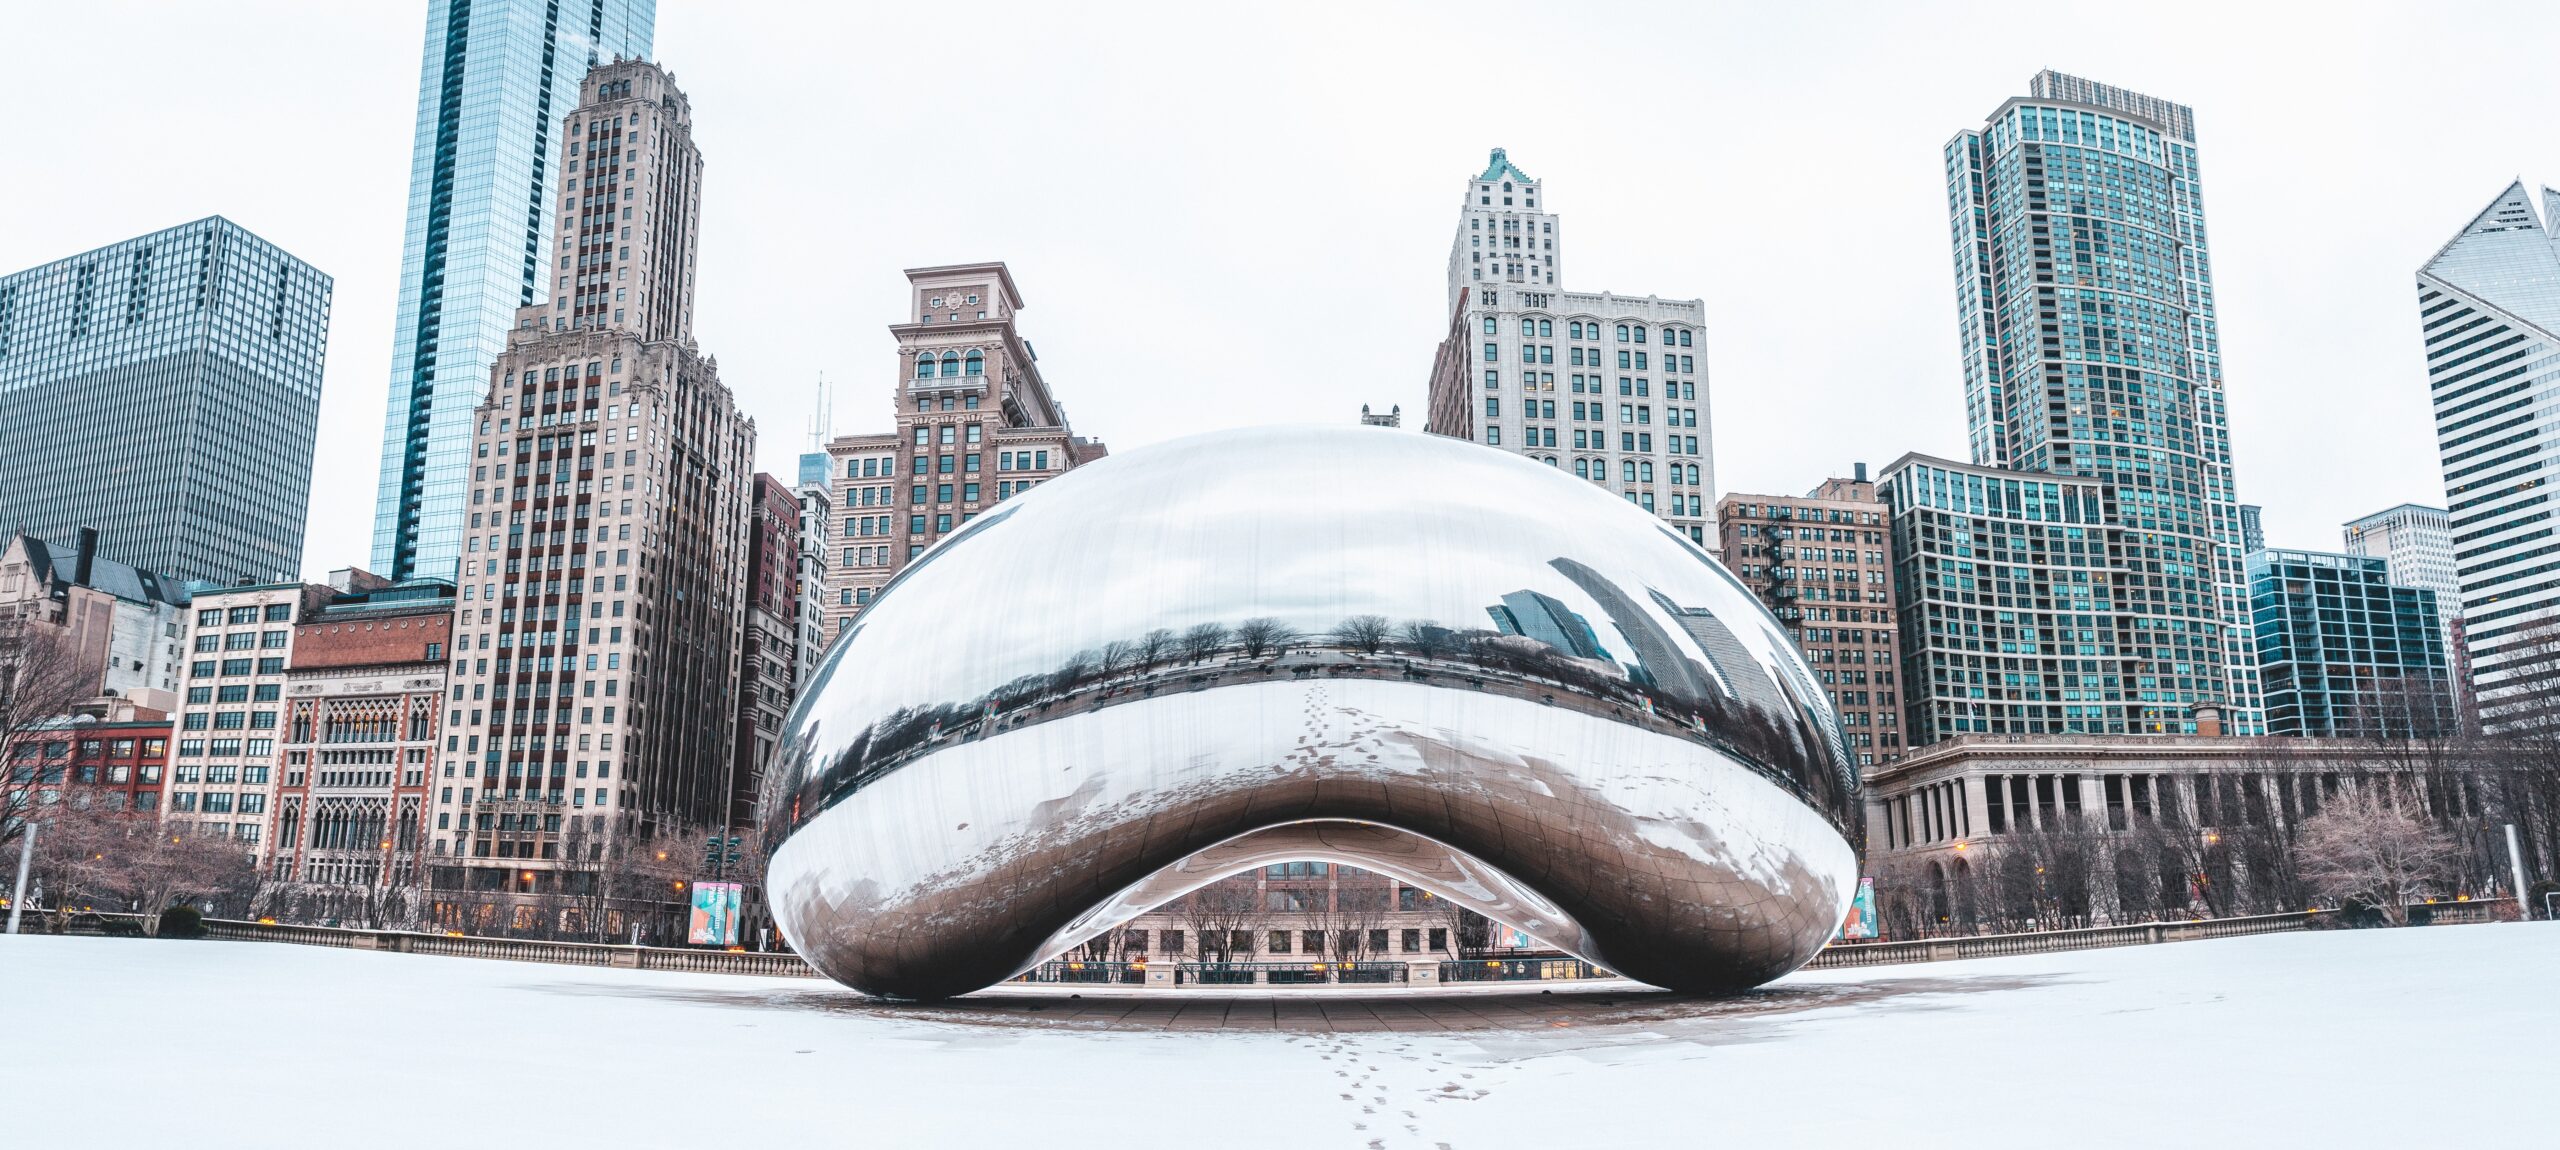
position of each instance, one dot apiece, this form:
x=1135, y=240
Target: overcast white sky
x=1222, y=216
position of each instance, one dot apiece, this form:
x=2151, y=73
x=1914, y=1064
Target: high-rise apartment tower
x=2092, y=365
x=496, y=80
x=604, y=560
x=1610, y=387
x=166, y=391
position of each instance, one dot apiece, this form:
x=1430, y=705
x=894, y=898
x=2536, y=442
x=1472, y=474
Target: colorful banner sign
x=715, y=914
x=1861, y=921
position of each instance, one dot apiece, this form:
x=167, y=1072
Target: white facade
x=1610, y=387
x=222, y=771
x=2489, y=311
x=2418, y=543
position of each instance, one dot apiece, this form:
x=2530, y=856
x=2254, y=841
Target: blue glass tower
x=2085, y=296
x=497, y=79
x=2345, y=652
x=166, y=391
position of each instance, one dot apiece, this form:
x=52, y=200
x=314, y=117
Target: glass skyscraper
x=2346, y=652
x=2489, y=307
x=166, y=391
x=497, y=81
x=2091, y=352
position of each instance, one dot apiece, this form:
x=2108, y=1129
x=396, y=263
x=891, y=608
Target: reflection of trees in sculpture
x=1202, y=641
x=1362, y=633
x=1264, y=635
x=1780, y=743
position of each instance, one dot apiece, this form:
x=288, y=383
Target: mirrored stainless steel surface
x=1450, y=664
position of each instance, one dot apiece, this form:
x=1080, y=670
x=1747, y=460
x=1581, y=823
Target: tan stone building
x=604, y=567
x=223, y=776
x=1822, y=563
x=125, y=624
x=976, y=426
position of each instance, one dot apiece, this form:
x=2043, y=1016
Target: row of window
x=235, y=616
x=1577, y=329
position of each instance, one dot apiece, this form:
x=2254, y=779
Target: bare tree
x=1264, y=634
x=157, y=865
x=1359, y=908
x=1155, y=647
x=1203, y=640
x=1223, y=917
x=1117, y=656
x=41, y=676
x=1428, y=639
x=2367, y=847
x=1363, y=633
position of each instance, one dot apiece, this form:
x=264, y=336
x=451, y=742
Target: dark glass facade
x=166, y=391
x=2345, y=652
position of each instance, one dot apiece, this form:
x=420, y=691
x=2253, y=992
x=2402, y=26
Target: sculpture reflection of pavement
x=1202, y=667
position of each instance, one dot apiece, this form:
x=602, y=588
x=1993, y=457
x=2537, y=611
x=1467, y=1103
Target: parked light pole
x=26, y=859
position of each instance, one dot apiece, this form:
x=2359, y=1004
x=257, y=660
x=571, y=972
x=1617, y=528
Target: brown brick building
x=769, y=651
x=363, y=712
x=976, y=426
x=1822, y=563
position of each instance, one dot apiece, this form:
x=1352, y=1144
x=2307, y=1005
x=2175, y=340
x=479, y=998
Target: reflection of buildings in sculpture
x=1820, y=563
x=1547, y=620
x=1659, y=662
x=1291, y=912
x=1746, y=679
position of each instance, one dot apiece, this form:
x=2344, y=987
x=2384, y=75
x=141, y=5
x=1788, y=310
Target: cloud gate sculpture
x=1448, y=664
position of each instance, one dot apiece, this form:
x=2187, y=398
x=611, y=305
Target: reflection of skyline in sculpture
x=1745, y=678
x=1659, y=662
x=962, y=794
x=1545, y=618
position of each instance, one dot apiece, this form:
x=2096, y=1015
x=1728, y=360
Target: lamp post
x=2515, y=862
x=27, y=855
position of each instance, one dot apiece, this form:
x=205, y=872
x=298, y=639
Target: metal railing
x=1518, y=970
x=1288, y=973
x=1088, y=972
x=1848, y=954
x=1067, y=971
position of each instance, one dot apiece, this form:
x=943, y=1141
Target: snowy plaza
x=2415, y=1037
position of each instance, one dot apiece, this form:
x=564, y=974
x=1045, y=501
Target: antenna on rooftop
x=822, y=417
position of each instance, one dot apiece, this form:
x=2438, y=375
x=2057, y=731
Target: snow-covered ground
x=2420, y=1037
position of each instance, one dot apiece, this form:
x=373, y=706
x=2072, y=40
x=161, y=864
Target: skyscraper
x=2346, y=652
x=166, y=391
x=1631, y=413
x=977, y=425
x=604, y=567
x=2489, y=306
x=496, y=80
x=2417, y=542
x=2091, y=352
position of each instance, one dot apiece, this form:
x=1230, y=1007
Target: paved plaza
x=2417, y=1037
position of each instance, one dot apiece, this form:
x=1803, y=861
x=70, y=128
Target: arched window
x=924, y=366
x=1630, y=470
x=1622, y=333
x=1546, y=327
x=1582, y=468
x=977, y=364
x=951, y=364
